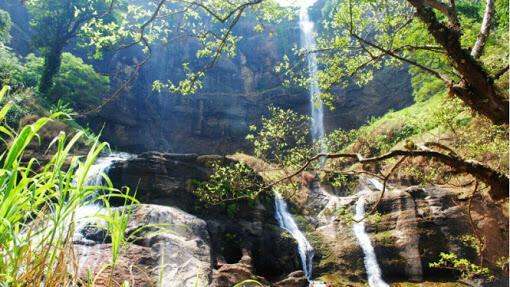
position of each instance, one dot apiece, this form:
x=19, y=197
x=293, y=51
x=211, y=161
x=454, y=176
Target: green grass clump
x=37, y=208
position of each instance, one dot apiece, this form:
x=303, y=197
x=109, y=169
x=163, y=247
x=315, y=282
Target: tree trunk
x=476, y=88
x=52, y=61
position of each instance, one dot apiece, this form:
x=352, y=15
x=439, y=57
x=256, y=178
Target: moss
x=384, y=239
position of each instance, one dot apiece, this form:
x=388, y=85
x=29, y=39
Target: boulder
x=238, y=231
x=176, y=254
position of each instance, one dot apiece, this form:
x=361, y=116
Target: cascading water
x=94, y=178
x=286, y=222
x=305, y=250
x=370, y=260
x=308, y=43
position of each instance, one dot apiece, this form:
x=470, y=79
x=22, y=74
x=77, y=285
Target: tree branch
x=476, y=87
x=448, y=11
x=481, y=244
x=477, y=50
x=500, y=72
x=498, y=182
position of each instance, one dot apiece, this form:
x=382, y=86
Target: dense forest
x=238, y=143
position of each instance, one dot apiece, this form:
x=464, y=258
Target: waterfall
x=305, y=250
x=286, y=221
x=370, y=260
x=82, y=214
x=308, y=43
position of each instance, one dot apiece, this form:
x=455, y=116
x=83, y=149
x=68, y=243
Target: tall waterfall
x=370, y=260
x=308, y=43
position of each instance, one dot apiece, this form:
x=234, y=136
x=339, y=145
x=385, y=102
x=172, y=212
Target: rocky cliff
x=223, y=245
x=235, y=93
x=412, y=226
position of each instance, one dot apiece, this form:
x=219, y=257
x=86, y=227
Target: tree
x=5, y=26
x=429, y=35
x=55, y=23
x=77, y=84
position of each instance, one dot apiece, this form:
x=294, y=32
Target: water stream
x=305, y=250
x=308, y=43
x=370, y=260
x=82, y=215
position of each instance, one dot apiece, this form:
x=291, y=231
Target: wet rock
x=234, y=229
x=412, y=227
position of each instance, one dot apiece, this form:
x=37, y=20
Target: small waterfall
x=370, y=260
x=286, y=221
x=82, y=214
x=308, y=43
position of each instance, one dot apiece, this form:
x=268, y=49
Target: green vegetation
x=467, y=269
x=37, y=209
x=77, y=84
x=55, y=23
x=227, y=182
x=5, y=26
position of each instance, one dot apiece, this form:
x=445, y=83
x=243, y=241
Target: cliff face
x=235, y=95
x=413, y=226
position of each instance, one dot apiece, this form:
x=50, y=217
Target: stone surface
x=414, y=226
x=294, y=279
x=180, y=256
x=241, y=232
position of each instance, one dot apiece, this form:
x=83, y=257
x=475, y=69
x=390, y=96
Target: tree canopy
x=54, y=24
x=445, y=41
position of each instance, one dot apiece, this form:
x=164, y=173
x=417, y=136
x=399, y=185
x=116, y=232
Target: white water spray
x=370, y=260
x=308, y=43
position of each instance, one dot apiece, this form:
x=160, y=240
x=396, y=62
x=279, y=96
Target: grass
x=37, y=208
x=438, y=119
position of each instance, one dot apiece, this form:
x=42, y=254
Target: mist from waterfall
x=372, y=267
x=308, y=44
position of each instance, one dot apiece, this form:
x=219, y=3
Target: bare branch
x=385, y=183
x=497, y=181
x=409, y=61
x=392, y=53
x=477, y=50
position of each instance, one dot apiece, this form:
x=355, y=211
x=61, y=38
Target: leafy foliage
x=54, y=24
x=282, y=138
x=467, y=269
x=227, y=182
x=77, y=84
x=5, y=26
x=30, y=253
